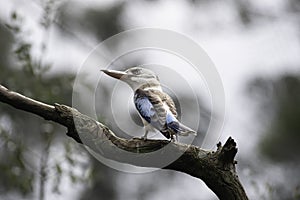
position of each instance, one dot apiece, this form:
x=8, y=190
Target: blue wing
x=157, y=117
x=159, y=110
x=145, y=108
x=150, y=108
x=178, y=128
x=172, y=122
x=170, y=117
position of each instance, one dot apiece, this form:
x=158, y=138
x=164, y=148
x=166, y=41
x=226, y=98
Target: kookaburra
x=155, y=107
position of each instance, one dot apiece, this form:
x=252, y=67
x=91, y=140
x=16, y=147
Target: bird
x=155, y=107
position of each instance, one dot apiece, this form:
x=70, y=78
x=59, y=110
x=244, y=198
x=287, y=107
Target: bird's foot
x=136, y=138
x=140, y=138
x=174, y=139
x=144, y=137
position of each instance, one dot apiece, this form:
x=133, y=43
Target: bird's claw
x=174, y=139
x=135, y=138
x=144, y=138
x=140, y=138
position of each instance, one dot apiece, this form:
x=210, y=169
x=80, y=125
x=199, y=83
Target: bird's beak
x=114, y=73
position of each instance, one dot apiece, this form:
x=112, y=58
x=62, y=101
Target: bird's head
x=135, y=77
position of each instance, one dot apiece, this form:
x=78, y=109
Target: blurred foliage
x=12, y=150
x=280, y=100
x=294, y=5
x=101, y=23
x=12, y=166
x=244, y=10
x=24, y=134
x=278, y=104
x=27, y=140
x=6, y=40
x=102, y=183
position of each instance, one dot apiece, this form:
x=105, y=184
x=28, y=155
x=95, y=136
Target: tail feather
x=181, y=129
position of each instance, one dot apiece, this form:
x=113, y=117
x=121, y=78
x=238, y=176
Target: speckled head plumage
x=136, y=77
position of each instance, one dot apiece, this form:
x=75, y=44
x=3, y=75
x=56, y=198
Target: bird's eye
x=136, y=71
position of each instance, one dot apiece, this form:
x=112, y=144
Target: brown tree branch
x=216, y=169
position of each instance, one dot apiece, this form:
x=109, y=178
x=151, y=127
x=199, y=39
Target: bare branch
x=216, y=169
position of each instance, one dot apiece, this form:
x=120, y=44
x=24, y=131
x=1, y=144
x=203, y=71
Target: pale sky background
x=266, y=48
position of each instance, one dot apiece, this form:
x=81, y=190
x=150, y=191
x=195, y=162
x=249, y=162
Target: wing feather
x=158, y=109
x=150, y=108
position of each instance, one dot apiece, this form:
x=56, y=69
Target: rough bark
x=215, y=168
